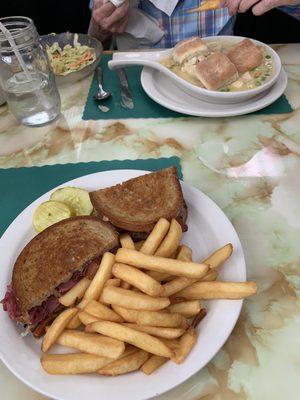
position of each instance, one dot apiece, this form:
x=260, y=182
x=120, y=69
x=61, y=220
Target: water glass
x=32, y=95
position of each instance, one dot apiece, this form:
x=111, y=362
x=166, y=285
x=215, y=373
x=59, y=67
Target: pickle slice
x=77, y=199
x=50, y=212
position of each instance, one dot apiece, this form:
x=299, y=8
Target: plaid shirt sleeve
x=182, y=25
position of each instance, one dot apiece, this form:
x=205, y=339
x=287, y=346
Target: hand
x=110, y=19
x=259, y=8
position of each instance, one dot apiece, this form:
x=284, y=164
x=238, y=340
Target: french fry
x=126, y=241
x=92, y=343
x=171, y=277
x=218, y=290
x=185, y=325
x=130, y=363
x=159, y=318
x=139, y=339
x=176, y=285
x=57, y=327
x=126, y=314
x=184, y=253
x=89, y=328
x=138, y=245
x=159, y=276
x=102, y=312
x=133, y=300
x=186, y=343
x=74, y=363
x=77, y=292
x=152, y=364
x=218, y=258
x=171, y=242
x=155, y=263
x=186, y=308
x=138, y=279
x=207, y=5
x=167, y=333
x=82, y=304
x=86, y=318
x=128, y=350
x=102, y=275
x=198, y=318
x=111, y=282
x=155, y=238
x=173, y=344
x=135, y=289
x=133, y=316
x=210, y=276
x=125, y=285
x=74, y=322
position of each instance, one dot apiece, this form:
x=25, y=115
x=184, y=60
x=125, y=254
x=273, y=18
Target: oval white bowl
x=151, y=59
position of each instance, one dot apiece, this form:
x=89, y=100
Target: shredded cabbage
x=70, y=59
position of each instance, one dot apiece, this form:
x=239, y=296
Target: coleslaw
x=70, y=58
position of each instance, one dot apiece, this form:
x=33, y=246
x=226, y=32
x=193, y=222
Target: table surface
x=250, y=167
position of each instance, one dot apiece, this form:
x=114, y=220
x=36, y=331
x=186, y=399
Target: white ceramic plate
x=209, y=229
x=164, y=91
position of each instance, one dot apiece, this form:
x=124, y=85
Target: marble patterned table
x=250, y=167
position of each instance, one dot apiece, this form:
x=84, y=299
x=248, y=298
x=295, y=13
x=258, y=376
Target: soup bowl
x=153, y=59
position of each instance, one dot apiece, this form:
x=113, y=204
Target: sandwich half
x=137, y=204
x=51, y=264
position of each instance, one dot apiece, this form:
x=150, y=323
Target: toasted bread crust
x=52, y=257
x=137, y=204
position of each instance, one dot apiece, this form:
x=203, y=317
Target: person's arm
x=108, y=19
x=258, y=8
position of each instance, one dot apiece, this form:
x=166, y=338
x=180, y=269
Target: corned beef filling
x=51, y=304
x=10, y=304
x=47, y=307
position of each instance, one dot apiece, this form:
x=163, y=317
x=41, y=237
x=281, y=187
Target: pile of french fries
x=141, y=308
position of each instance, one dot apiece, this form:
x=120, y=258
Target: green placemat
x=144, y=107
x=21, y=186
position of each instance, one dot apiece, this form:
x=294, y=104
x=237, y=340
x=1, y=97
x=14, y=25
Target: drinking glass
x=27, y=81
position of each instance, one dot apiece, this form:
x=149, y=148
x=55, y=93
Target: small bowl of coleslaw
x=72, y=56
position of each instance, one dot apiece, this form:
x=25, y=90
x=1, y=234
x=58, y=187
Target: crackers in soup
x=221, y=65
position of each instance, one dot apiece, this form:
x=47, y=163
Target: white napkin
x=117, y=3
x=167, y=6
x=142, y=30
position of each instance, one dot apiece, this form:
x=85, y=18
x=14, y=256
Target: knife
x=126, y=98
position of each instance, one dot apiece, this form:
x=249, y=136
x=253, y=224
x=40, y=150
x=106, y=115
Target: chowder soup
x=247, y=80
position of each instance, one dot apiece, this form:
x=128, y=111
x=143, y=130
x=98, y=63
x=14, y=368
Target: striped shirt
x=182, y=25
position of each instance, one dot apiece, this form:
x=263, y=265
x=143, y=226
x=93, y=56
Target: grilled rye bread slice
x=52, y=257
x=137, y=204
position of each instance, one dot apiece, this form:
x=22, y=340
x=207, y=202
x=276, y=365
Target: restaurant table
x=250, y=167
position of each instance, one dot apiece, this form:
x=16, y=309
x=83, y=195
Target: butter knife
x=126, y=98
